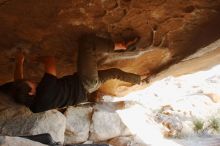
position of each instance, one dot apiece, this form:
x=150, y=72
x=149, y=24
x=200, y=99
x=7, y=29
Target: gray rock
x=18, y=120
x=17, y=141
x=106, y=123
x=77, y=124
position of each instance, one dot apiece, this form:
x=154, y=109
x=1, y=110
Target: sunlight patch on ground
x=178, y=108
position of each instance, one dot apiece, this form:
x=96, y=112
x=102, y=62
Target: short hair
x=20, y=92
x=6, y=88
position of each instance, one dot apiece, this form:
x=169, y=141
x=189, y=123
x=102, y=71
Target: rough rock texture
x=17, y=120
x=204, y=59
x=77, y=124
x=16, y=141
x=106, y=123
x=169, y=31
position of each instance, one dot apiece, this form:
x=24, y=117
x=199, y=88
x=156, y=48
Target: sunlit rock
x=106, y=123
x=17, y=141
x=177, y=107
x=77, y=124
x=173, y=125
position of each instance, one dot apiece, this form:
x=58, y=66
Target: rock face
x=106, y=124
x=16, y=141
x=77, y=124
x=169, y=30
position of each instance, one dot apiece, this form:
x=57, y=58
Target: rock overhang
x=169, y=30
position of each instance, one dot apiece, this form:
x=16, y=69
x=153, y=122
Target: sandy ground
x=181, y=110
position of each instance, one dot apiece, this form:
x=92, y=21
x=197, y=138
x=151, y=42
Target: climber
x=53, y=92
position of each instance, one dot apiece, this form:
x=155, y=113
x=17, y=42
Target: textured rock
x=204, y=59
x=53, y=26
x=17, y=120
x=17, y=141
x=77, y=124
x=106, y=123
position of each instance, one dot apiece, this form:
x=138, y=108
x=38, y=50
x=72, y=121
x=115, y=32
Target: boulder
x=77, y=124
x=106, y=123
x=18, y=120
x=17, y=141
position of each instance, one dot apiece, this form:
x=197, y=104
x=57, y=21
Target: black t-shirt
x=55, y=93
x=7, y=88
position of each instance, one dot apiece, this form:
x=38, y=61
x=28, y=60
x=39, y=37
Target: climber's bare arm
x=49, y=64
x=19, y=69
